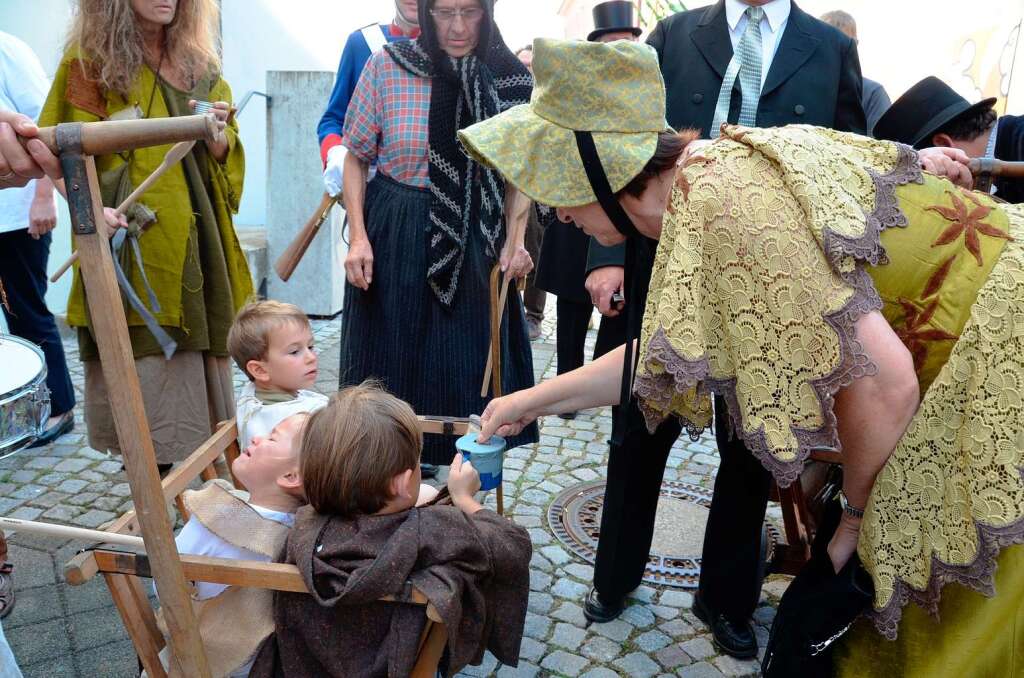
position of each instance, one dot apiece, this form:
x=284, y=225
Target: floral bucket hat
x=601, y=102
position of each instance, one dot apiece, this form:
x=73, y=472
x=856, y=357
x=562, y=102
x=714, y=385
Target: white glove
x=334, y=169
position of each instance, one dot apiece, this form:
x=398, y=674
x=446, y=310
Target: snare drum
x=24, y=398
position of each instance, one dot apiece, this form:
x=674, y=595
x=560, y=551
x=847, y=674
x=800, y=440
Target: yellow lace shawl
x=762, y=271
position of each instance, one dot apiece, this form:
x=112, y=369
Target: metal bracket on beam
x=76, y=181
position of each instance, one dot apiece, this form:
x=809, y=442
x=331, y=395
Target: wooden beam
x=110, y=329
x=139, y=620
x=245, y=573
x=178, y=480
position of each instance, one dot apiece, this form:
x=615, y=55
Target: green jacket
x=164, y=246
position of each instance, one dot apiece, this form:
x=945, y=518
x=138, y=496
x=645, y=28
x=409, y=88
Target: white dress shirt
x=23, y=88
x=776, y=15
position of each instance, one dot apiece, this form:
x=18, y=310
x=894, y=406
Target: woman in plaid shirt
x=429, y=227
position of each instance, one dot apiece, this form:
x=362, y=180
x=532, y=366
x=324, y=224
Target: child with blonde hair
x=272, y=343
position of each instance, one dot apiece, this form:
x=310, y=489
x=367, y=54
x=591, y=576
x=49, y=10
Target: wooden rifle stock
x=290, y=258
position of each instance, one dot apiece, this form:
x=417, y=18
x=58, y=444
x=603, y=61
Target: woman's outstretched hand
x=505, y=416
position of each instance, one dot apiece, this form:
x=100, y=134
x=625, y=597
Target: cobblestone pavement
x=59, y=630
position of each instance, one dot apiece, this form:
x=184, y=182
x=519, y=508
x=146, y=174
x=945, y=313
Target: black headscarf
x=464, y=91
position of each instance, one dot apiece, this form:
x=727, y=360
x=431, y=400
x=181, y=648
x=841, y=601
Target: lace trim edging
x=978, y=576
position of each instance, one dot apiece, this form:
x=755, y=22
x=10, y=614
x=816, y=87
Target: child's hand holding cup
x=463, y=484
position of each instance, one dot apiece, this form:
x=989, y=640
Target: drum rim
x=41, y=377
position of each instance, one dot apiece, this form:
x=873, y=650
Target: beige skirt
x=184, y=398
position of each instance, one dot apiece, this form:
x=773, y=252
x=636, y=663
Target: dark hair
x=527, y=48
x=969, y=127
x=354, y=446
x=666, y=154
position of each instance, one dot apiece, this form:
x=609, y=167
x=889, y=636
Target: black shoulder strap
x=602, y=189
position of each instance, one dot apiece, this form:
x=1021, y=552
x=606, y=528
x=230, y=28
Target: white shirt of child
x=194, y=539
x=256, y=418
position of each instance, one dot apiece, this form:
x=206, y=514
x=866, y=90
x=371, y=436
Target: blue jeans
x=23, y=272
x=8, y=667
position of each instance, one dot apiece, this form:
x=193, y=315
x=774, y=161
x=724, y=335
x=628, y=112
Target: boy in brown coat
x=362, y=538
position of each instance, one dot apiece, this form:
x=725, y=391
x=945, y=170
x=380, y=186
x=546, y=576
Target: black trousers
x=731, y=574
x=635, y=471
x=23, y=272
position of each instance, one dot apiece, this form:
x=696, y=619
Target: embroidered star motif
x=968, y=222
x=915, y=332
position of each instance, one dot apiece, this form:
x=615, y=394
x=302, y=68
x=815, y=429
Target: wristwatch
x=847, y=508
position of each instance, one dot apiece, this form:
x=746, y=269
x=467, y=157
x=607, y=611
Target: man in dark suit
x=931, y=113
x=809, y=73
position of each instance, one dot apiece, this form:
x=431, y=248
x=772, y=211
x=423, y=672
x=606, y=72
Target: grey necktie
x=746, y=64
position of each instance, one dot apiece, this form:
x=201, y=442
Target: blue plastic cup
x=487, y=458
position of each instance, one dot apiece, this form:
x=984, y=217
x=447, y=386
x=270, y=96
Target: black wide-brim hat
x=613, y=17
x=923, y=110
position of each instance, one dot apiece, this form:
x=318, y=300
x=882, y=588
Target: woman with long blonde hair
x=184, y=272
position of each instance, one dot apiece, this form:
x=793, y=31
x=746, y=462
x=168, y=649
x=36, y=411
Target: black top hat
x=613, y=17
x=922, y=111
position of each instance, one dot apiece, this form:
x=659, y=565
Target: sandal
x=6, y=590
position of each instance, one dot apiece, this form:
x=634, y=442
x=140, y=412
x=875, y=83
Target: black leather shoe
x=428, y=470
x=599, y=610
x=64, y=425
x=735, y=638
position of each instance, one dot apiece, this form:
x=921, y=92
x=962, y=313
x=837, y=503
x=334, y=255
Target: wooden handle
x=113, y=136
x=290, y=258
x=79, y=533
x=492, y=371
x=998, y=168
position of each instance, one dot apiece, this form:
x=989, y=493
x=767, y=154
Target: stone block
x=698, y=648
x=93, y=519
x=540, y=603
x=652, y=641
x=638, y=665
x=699, y=670
x=617, y=630
x=62, y=514
x=730, y=666
x=570, y=612
x=672, y=657
x=72, y=465
x=567, y=588
x=601, y=649
x=536, y=627
x=564, y=663
x=568, y=636
x=639, y=616
x=556, y=554
x=676, y=599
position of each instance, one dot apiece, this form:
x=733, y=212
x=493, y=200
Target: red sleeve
x=329, y=142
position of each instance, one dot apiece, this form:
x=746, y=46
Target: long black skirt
x=398, y=333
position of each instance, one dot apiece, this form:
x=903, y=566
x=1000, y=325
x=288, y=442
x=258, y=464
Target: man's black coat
x=813, y=79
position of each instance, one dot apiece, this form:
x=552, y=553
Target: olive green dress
x=191, y=257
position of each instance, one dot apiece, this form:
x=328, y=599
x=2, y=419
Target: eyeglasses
x=470, y=15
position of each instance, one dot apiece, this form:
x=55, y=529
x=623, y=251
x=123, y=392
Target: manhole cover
x=575, y=518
